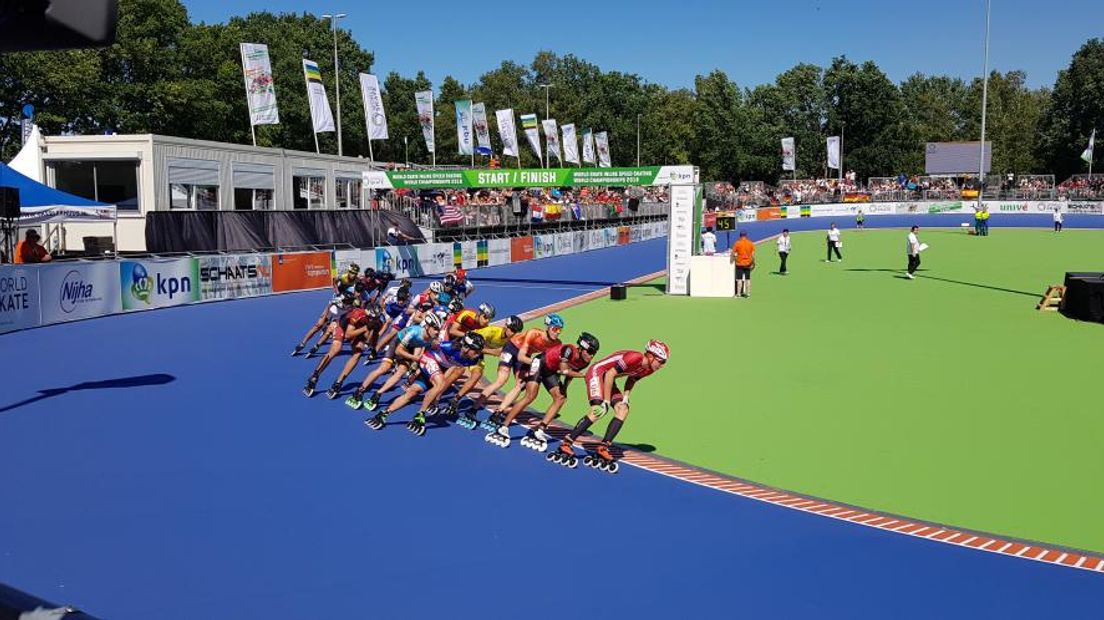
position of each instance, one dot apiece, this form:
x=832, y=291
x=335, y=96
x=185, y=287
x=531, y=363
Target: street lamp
x=984, y=104
x=337, y=75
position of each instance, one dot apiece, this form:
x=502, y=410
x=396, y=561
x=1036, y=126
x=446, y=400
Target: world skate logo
x=141, y=285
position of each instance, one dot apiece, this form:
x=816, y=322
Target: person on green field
x=860, y=219
x=984, y=221
x=977, y=221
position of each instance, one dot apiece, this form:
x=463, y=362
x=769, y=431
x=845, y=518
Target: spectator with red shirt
x=30, y=251
x=602, y=390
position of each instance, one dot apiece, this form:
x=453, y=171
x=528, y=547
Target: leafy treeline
x=170, y=76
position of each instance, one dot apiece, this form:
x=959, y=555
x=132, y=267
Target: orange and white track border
x=989, y=543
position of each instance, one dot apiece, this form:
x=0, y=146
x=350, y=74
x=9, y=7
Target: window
x=253, y=187
x=193, y=184
x=308, y=189
x=111, y=181
x=349, y=194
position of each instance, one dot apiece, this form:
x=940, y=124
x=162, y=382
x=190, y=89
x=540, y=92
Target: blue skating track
x=164, y=465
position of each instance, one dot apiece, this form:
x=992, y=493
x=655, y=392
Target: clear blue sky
x=670, y=42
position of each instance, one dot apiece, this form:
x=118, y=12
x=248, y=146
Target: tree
x=1076, y=108
x=865, y=106
x=718, y=120
x=794, y=106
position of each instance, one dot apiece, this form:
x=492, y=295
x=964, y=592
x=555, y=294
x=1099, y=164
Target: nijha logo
x=74, y=290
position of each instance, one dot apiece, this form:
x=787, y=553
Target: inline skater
x=568, y=360
x=438, y=368
x=516, y=356
x=495, y=337
x=400, y=357
x=603, y=393
x=356, y=327
x=465, y=320
x=341, y=284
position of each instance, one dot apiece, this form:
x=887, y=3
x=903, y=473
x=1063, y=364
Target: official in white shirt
x=783, y=249
x=1057, y=219
x=913, y=252
x=834, y=243
x=709, y=242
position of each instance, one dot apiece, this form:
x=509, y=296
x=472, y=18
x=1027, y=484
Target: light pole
x=337, y=75
x=547, y=88
x=984, y=104
x=637, y=140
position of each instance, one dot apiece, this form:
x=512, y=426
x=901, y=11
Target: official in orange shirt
x=743, y=254
x=30, y=250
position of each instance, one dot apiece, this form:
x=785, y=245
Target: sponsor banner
x=528, y=177
x=47, y=215
x=588, y=146
x=481, y=258
x=80, y=291
x=522, y=249
x=469, y=254
x=162, y=283
x=301, y=271
x=746, y=215
x=343, y=258
x=321, y=116
x=601, y=141
x=561, y=243
x=768, y=213
x=507, y=131
x=833, y=145
x=482, y=130
x=544, y=246
x=636, y=234
x=403, y=261
x=231, y=277
x=1084, y=207
x=680, y=243
x=1033, y=206
x=956, y=206
x=580, y=241
x=498, y=251
x=570, y=144
x=260, y=89
x=597, y=239
x=788, y=154
x=611, y=236
x=423, y=99
x=623, y=235
x=19, y=299
x=434, y=258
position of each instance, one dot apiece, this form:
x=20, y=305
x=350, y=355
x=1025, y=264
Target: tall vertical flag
x=551, y=140
x=789, y=154
x=424, y=101
x=834, y=152
x=374, y=115
x=570, y=144
x=601, y=139
x=588, y=146
x=1087, y=154
x=464, y=139
x=482, y=130
x=321, y=116
x=529, y=124
x=507, y=131
x=260, y=90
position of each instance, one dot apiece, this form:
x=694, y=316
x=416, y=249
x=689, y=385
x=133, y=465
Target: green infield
x=948, y=398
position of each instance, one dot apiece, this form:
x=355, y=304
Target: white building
x=143, y=173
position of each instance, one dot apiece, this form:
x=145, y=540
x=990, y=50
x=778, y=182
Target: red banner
x=769, y=213
x=300, y=271
x=521, y=249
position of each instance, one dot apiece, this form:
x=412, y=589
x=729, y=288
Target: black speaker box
x=1084, y=296
x=9, y=203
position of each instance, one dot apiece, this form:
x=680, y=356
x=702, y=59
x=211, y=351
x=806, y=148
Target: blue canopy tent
x=41, y=204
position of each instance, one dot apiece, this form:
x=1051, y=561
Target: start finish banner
x=528, y=177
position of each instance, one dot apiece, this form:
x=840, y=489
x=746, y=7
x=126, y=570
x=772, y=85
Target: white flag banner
x=260, y=90
x=1087, y=155
x=482, y=130
x=464, y=139
x=834, y=152
x=321, y=115
x=507, y=131
x=570, y=144
x=529, y=125
x=424, y=101
x=374, y=115
x=789, y=154
x=551, y=140
x=601, y=140
x=588, y=146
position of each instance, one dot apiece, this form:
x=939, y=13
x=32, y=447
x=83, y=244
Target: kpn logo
x=141, y=284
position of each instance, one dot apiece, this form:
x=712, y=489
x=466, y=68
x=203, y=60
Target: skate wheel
x=572, y=463
x=542, y=447
x=553, y=457
x=613, y=467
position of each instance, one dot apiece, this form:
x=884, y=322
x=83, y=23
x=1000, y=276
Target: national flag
x=451, y=214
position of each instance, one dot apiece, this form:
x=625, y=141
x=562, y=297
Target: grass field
x=948, y=398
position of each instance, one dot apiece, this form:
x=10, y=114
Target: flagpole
x=984, y=105
x=253, y=132
x=317, y=152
